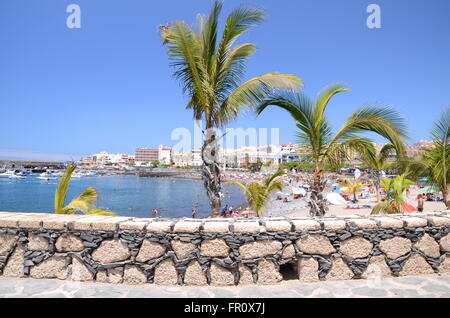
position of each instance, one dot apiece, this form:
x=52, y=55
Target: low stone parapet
x=222, y=252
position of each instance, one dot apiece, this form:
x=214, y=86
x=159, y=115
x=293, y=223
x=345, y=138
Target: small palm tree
x=258, y=193
x=84, y=203
x=211, y=71
x=435, y=162
x=395, y=194
x=354, y=187
x=327, y=149
x=377, y=163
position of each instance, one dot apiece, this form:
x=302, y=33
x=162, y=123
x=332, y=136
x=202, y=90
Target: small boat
x=46, y=176
x=7, y=174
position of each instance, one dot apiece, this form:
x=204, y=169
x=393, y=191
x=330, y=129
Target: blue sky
x=108, y=85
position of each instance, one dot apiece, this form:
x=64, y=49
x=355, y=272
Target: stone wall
x=221, y=252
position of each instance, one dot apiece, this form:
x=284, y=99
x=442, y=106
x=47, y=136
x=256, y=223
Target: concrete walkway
x=425, y=286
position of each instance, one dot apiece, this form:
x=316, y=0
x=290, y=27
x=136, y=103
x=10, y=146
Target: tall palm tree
x=258, y=193
x=211, y=72
x=317, y=135
x=395, y=195
x=84, y=203
x=377, y=163
x=435, y=162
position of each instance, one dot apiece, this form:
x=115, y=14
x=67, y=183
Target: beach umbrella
x=430, y=189
x=337, y=191
x=406, y=207
x=299, y=191
x=423, y=179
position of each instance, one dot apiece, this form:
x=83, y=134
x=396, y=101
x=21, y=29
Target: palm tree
x=377, y=163
x=211, y=73
x=325, y=148
x=258, y=193
x=436, y=161
x=395, y=194
x=354, y=187
x=84, y=203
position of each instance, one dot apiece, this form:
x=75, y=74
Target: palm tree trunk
x=211, y=173
x=317, y=204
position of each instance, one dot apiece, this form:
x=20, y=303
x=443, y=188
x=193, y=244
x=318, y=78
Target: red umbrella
x=406, y=207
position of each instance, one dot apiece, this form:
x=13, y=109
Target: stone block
x=414, y=222
x=216, y=226
x=115, y=276
x=245, y=275
x=133, y=226
x=438, y=221
x=187, y=226
x=389, y=223
x=59, y=221
x=308, y=270
x=14, y=266
x=133, y=275
x=166, y=273
x=259, y=249
x=316, y=245
x=182, y=249
x=377, y=268
x=288, y=252
x=150, y=250
x=111, y=251
x=416, y=265
x=159, y=227
x=53, y=267
x=69, y=243
x=334, y=225
x=268, y=273
x=339, y=271
x=33, y=221
x=108, y=224
x=444, y=243
x=364, y=224
x=37, y=243
x=248, y=227
x=8, y=221
x=84, y=223
x=444, y=268
x=7, y=242
x=306, y=225
x=214, y=248
x=221, y=276
x=395, y=247
x=356, y=247
x=278, y=226
x=80, y=272
x=428, y=246
x=194, y=275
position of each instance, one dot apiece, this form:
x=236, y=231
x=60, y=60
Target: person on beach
x=154, y=212
x=224, y=210
x=420, y=203
x=193, y=213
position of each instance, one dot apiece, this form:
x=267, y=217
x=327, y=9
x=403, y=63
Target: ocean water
x=123, y=195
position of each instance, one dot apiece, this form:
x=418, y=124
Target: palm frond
x=383, y=121
x=61, y=190
x=250, y=94
x=85, y=202
x=100, y=212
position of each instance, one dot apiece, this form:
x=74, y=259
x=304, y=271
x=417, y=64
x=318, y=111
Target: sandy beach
x=299, y=207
